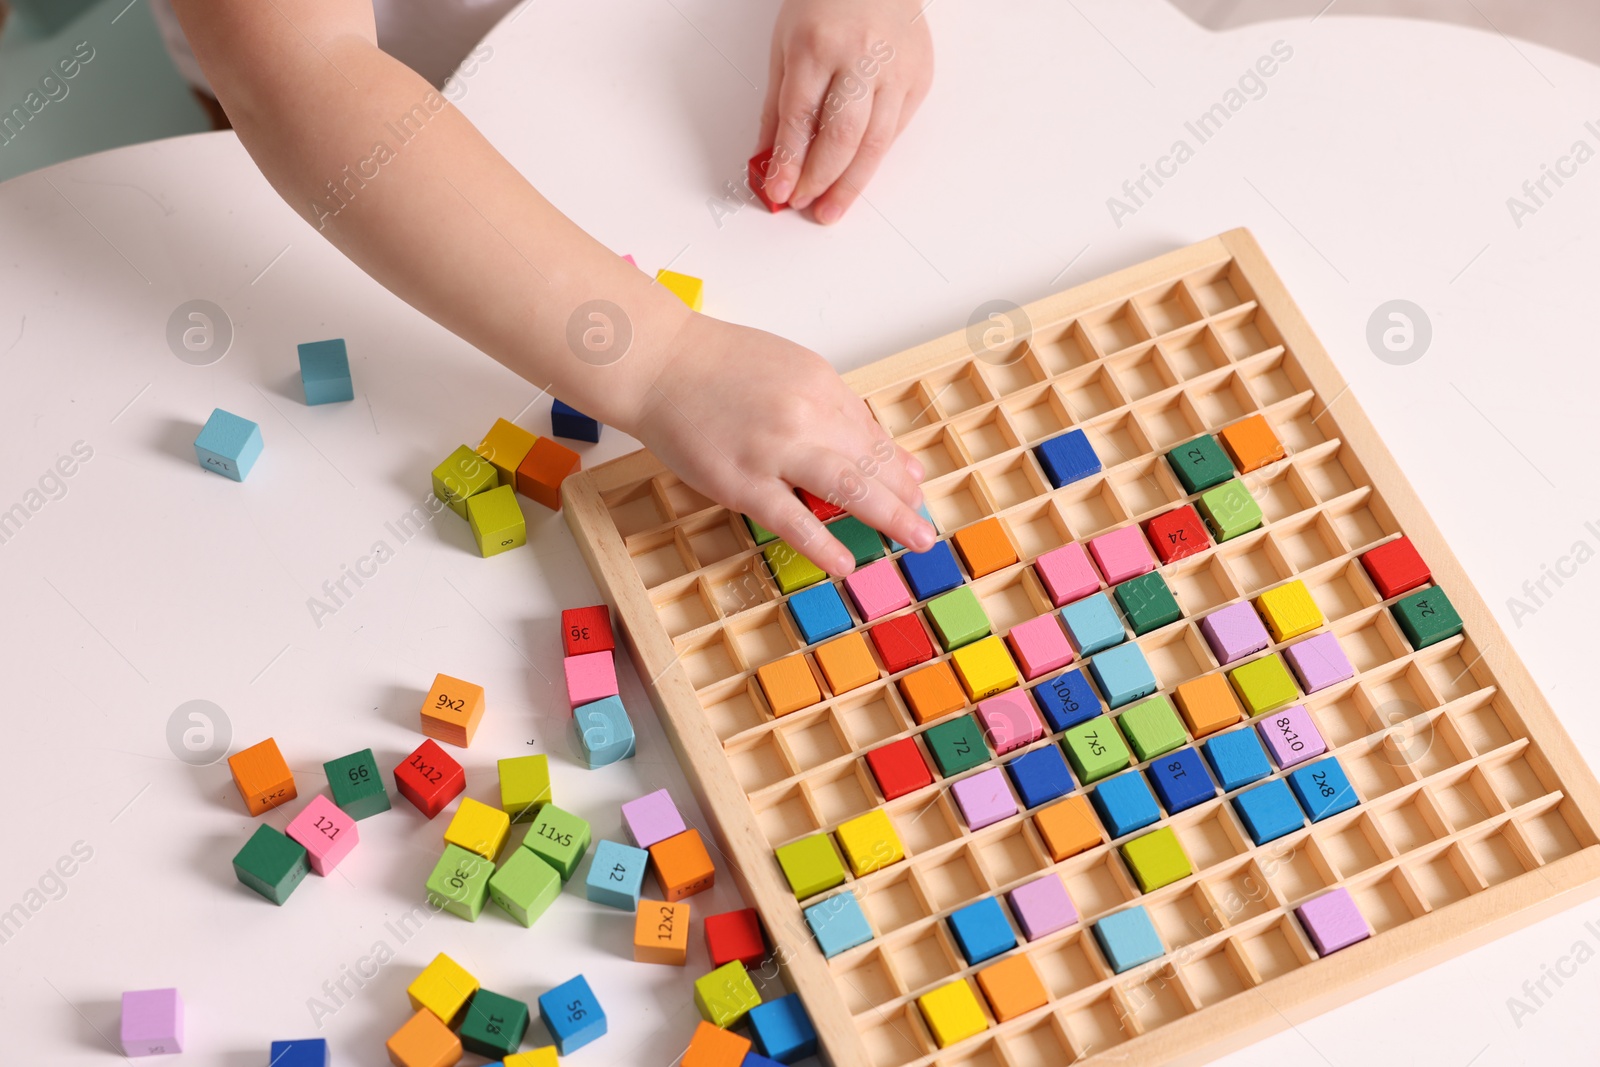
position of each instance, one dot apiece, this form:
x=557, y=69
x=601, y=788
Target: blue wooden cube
x=1040, y=776
x=567, y=421
x=616, y=875
x=1323, y=789
x=1237, y=758
x=782, y=1029
x=819, y=613
x=310, y=1052
x=932, y=572
x=1180, y=780
x=1093, y=624
x=1066, y=699
x=922, y=509
x=838, y=924
x=228, y=445
x=604, y=732
x=325, y=372
x=1125, y=804
x=1269, y=811
x=1128, y=939
x=1067, y=458
x=572, y=1015
x=756, y=1059
x=982, y=931
x=1122, y=674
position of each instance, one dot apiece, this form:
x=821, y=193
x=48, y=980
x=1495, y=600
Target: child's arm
x=427, y=207
x=846, y=76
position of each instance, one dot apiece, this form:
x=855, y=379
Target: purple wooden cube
x=985, y=798
x=152, y=1022
x=652, y=818
x=1319, y=662
x=1333, y=921
x=1042, y=907
x=1291, y=736
x=1234, y=632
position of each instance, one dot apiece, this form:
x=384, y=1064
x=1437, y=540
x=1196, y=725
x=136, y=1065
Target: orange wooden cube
x=1068, y=827
x=543, y=469
x=424, y=1041
x=683, y=866
x=452, y=710
x=712, y=1046
x=1208, y=704
x=847, y=663
x=262, y=776
x=788, y=684
x=661, y=932
x=1252, y=443
x=932, y=692
x=984, y=547
x=1012, y=988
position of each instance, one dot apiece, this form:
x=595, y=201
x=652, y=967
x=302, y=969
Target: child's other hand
x=846, y=77
x=744, y=416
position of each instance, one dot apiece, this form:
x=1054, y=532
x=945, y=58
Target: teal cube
x=459, y=883
x=357, y=784
x=271, y=863
x=325, y=372
x=862, y=540
x=1147, y=602
x=1200, y=464
x=603, y=731
x=616, y=877
x=1427, y=617
x=228, y=445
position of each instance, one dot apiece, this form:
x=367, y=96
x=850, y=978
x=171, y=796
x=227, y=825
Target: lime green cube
x=811, y=865
x=1264, y=684
x=958, y=618
x=558, y=837
x=1230, y=510
x=789, y=568
x=1156, y=859
x=524, y=786
x=1095, y=749
x=726, y=995
x=459, y=883
x=524, y=886
x=761, y=534
x=496, y=519
x=461, y=476
x=1152, y=728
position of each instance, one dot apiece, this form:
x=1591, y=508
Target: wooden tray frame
x=1209, y=1031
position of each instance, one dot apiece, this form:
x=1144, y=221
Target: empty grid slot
x=661, y=557
x=1091, y=507
x=1332, y=474
x=1176, y=655
x=1245, y=332
x=1241, y=895
x=1168, y=308
x=689, y=610
x=1194, y=353
x=957, y=503
x=937, y=451
x=1010, y=367
x=1202, y=585
x=1363, y=520
x=707, y=661
x=1097, y=1025
x=1453, y=675
x=1215, y=977
x=1011, y=600
x=1278, y=949
x=895, y=905
x=1210, y=839
x=1117, y=439
x=1067, y=350
x=841, y=795
x=1171, y=422
x=759, y=763
x=813, y=740
x=1143, y=373
x=1038, y=414
x=786, y=817
x=741, y=585
x=1341, y=591
x=1302, y=424
x=1014, y=481
x=1156, y=1001
x=896, y=1040
x=1434, y=746
x=716, y=540
x=1098, y=887
x=1223, y=403
x=1354, y=846
x=1308, y=543
x=1256, y=564
x=924, y=960
x=734, y=713
x=1375, y=769
x=1371, y=643
x=765, y=636
x=1044, y=1045
x=866, y=983
x=1298, y=872
x=1342, y=715
x=925, y=825
x=955, y=882
x=1444, y=879
x=1116, y=328
x=1089, y=392
x=1185, y=918
x=871, y=718
x=1482, y=725
x=1036, y=530
x=1552, y=834
x=1467, y=801
x=1276, y=378
x=1216, y=289
x=957, y=391
x=1398, y=692
x=986, y=1055
x=1068, y=966
x=1498, y=856
x=1010, y=855
x=904, y=408
x=1280, y=491
x=1515, y=780
x=1412, y=824
x=1387, y=903
x=636, y=509
x=684, y=500
x=1147, y=487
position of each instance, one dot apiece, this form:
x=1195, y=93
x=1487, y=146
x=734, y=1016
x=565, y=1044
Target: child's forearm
x=401, y=182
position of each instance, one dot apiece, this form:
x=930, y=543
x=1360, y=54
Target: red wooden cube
x=587, y=630
x=1396, y=567
x=899, y=768
x=760, y=168
x=901, y=643
x=822, y=509
x=1177, y=533
x=736, y=935
x=429, y=778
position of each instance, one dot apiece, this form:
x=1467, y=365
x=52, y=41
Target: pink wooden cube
x=652, y=818
x=152, y=1022
x=1067, y=574
x=1039, y=645
x=1122, y=554
x=327, y=833
x=878, y=589
x=590, y=677
x=1010, y=720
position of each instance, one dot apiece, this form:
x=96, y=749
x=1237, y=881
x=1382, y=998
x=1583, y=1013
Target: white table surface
x=1376, y=166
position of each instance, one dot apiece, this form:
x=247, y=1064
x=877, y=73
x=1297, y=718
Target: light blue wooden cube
x=228, y=445
x=616, y=877
x=325, y=372
x=604, y=731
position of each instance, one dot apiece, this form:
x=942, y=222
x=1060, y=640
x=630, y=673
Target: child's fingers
x=769, y=107
x=882, y=127
x=836, y=143
x=800, y=98
x=833, y=477
x=779, y=510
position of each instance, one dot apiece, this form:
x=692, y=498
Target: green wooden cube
x=524, y=786
x=1095, y=749
x=1152, y=728
x=811, y=865
x=1427, y=617
x=1200, y=464
x=462, y=475
x=862, y=540
x=1147, y=602
x=560, y=837
x=1264, y=684
x=493, y=1025
x=524, y=886
x=789, y=568
x=357, y=784
x=1156, y=859
x=726, y=995
x=459, y=883
x=957, y=745
x=1230, y=510
x=761, y=534
x=271, y=864
x=958, y=618
x=496, y=519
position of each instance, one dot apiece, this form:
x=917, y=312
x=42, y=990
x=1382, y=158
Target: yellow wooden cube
x=1289, y=610
x=443, y=987
x=985, y=667
x=478, y=828
x=539, y=1057
x=689, y=289
x=869, y=842
x=953, y=1013
x=505, y=446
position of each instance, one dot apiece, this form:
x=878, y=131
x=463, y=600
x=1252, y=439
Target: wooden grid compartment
x=1473, y=809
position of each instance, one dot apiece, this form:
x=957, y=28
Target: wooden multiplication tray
x=1476, y=814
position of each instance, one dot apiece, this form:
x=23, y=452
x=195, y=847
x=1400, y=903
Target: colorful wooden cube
x=1042, y=906
x=1396, y=567
x=1230, y=510
x=869, y=842
x=1426, y=617
x=689, y=289
x=1291, y=736
x=493, y=1025
x=1012, y=987
x=652, y=818
x=1092, y=624
x=1067, y=574
x=1147, y=603
x=505, y=446
x=603, y=731
x=932, y=692
x=1152, y=728
x=1067, y=458
x=1128, y=938
x=1039, y=646
x=1177, y=533
x=682, y=865
x=1068, y=827
x=152, y=1022
x=1067, y=699
x=932, y=572
x=726, y=995
x=525, y=886
x=1156, y=859
x=1236, y=758
x=452, y=710
x=1180, y=780
x=1010, y=720
x=759, y=170
x=985, y=547
x=902, y=642
x=876, y=588
x=1323, y=789
x=927, y=517
x=429, y=778
x=819, y=613
x=985, y=668
x=567, y=421
x=1122, y=674
x=424, y=1041
x=616, y=876
x=981, y=930
x=590, y=676
x=325, y=372
x=459, y=883
x=539, y=1057
x=846, y=663
x=524, y=785
x=712, y=1046
x=326, y=832
x=899, y=768
x=957, y=617
x=1122, y=554
x=1269, y=811
x=1207, y=704
x=759, y=533
x=791, y=570
x=1333, y=921
x=1319, y=661
x=1040, y=776
x=824, y=510
x=736, y=935
x=262, y=777
x=1251, y=443
x=957, y=745
x=228, y=445
x=864, y=543
x=543, y=469
x=357, y=784
x=838, y=924
x=811, y=865
x=271, y=863
x=307, y=1052
x=1200, y=464
x=1096, y=750
x=1234, y=632
x=558, y=837
x=661, y=932
x=984, y=798
x=789, y=684
x=1124, y=804
x=1263, y=684
x=442, y=989
x=782, y=1029
x=1289, y=610
x=463, y=474
x=478, y=828
x=573, y=1015
x=496, y=521
x=586, y=630
x=952, y=1013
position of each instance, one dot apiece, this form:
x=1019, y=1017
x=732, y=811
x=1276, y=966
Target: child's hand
x=744, y=417
x=846, y=77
